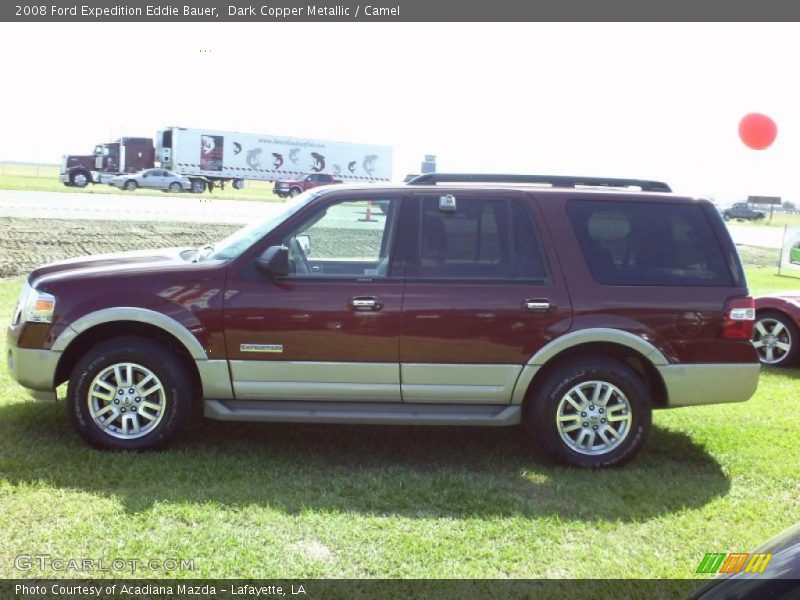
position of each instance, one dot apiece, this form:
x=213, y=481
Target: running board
x=369, y=413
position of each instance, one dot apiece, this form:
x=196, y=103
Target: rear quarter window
x=644, y=243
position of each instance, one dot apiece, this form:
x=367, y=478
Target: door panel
x=484, y=294
x=328, y=333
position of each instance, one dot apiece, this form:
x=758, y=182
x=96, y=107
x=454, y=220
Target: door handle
x=364, y=303
x=538, y=305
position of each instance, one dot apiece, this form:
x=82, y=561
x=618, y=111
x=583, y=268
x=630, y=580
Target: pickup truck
x=293, y=187
x=742, y=210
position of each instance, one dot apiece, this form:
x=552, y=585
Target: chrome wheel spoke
x=607, y=397
x=760, y=328
x=151, y=406
x=582, y=396
x=107, y=408
x=151, y=390
x=148, y=416
x=575, y=405
x=783, y=346
x=106, y=392
x=776, y=330
x=604, y=437
x=104, y=423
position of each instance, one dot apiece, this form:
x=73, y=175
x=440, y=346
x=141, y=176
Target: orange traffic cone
x=368, y=215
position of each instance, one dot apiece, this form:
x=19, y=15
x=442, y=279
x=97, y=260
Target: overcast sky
x=659, y=101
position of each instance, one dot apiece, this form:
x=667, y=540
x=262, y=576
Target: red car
x=775, y=334
x=295, y=187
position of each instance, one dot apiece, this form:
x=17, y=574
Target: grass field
x=276, y=500
x=44, y=178
x=779, y=219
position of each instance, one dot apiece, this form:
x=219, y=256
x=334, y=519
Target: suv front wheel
x=590, y=412
x=129, y=393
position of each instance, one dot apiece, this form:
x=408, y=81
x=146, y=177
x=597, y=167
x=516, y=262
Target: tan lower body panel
x=691, y=385
x=374, y=382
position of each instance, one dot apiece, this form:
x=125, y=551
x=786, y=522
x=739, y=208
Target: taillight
x=740, y=314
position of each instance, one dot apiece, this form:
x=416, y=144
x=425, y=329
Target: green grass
x=44, y=178
x=765, y=280
x=277, y=500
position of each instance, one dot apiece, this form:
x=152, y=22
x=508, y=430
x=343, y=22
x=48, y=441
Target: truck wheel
x=775, y=339
x=726, y=216
x=295, y=191
x=175, y=187
x=129, y=393
x=238, y=184
x=79, y=179
x=198, y=186
x=590, y=412
x=131, y=185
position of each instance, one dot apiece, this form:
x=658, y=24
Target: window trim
x=732, y=278
x=390, y=229
x=414, y=275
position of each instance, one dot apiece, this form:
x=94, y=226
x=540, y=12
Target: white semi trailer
x=211, y=158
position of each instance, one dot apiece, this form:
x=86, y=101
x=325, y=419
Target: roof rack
x=560, y=181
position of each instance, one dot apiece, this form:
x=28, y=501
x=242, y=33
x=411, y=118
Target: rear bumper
x=32, y=368
x=692, y=385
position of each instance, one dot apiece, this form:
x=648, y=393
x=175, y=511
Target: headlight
x=34, y=306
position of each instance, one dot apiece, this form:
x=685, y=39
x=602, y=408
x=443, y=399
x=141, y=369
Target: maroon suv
x=575, y=305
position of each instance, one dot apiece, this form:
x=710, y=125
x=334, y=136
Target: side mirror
x=305, y=243
x=274, y=261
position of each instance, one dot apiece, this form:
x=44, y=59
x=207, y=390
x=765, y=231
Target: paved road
x=206, y=209
x=196, y=209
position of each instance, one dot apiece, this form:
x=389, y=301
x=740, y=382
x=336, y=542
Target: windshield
x=239, y=241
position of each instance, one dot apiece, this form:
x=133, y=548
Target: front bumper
x=32, y=368
x=696, y=384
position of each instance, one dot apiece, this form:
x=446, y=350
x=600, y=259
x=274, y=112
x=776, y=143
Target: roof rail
x=561, y=181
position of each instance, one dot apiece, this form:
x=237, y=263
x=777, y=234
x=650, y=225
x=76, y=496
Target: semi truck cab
x=126, y=155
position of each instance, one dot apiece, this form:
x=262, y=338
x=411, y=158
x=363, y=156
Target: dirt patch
x=759, y=257
x=27, y=243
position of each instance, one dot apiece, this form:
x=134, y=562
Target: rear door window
x=642, y=243
x=480, y=239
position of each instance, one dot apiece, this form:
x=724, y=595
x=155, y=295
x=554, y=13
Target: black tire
x=131, y=185
x=171, y=373
x=541, y=411
x=80, y=179
x=790, y=335
x=175, y=187
x=198, y=186
x=726, y=216
x=295, y=191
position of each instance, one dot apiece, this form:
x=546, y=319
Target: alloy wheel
x=772, y=340
x=594, y=417
x=126, y=400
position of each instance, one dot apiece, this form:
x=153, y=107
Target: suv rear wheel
x=590, y=412
x=129, y=393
